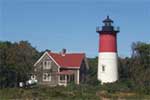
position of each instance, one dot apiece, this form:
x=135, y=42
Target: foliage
x=139, y=69
x=16, y=62
x=92, y=72
x=72, y=92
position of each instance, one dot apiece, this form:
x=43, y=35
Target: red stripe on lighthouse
x=107, y=42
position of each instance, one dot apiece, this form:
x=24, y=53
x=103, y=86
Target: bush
x=116, y=87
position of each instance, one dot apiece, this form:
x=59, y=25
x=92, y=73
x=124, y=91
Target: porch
x=65, y=77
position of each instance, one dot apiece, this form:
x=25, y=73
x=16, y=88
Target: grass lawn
x=71, y=92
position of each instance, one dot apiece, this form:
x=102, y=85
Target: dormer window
x=47, y=64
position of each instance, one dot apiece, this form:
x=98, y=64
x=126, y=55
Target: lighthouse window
x=103, y=68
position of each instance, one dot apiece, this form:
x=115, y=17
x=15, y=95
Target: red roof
x=68, y=60
x=65, y=72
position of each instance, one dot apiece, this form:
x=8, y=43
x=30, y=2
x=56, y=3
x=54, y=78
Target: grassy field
x=71, y=92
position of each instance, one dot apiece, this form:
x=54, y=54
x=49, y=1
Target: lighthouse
x=107, y=57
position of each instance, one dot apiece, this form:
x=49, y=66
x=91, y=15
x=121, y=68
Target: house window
x=103, y=68
x=46, y=77
x=47, y=64
x=62, y=77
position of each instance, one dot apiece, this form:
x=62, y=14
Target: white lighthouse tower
x=107, y=58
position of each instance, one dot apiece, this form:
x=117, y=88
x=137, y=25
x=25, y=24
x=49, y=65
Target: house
x=61, y=68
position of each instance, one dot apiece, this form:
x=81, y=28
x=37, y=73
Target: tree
x=92, y=72
x=16, y=62
x=140, y=63
x=123, y=66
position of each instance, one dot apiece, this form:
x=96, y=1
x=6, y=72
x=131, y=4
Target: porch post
x=65, y=80
x=78, y=77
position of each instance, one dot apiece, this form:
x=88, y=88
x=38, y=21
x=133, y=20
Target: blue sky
x=71, y=24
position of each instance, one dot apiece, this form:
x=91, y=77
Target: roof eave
x=70, y=67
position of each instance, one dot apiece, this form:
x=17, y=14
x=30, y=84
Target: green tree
x=92, y=72
x=16, y=62
x=140, y=63
x=123, y=66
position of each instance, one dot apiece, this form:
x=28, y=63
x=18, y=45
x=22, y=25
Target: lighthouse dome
x=107, y=20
